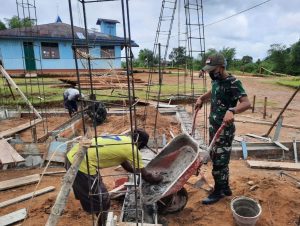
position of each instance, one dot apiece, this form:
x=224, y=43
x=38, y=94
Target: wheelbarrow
x=177, y=162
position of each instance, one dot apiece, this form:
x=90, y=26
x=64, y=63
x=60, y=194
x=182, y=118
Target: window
x=50, y=50
x=107, y=51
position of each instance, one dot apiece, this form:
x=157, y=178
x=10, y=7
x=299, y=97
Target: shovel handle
x=194, y=122
x=217, y=135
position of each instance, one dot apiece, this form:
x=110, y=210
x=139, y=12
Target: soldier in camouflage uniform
x=225, y=93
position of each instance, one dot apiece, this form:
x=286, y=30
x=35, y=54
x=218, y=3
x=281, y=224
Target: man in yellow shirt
x=113, y=150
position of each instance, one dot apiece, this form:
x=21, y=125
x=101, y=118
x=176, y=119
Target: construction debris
x=281, y=173
x=250, y=182
x=103, y=82
x=254, y=187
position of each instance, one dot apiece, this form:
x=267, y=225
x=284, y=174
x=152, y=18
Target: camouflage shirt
x=224, y=94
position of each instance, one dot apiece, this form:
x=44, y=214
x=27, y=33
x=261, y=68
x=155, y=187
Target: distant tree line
x=280, y=59
x=16, y=22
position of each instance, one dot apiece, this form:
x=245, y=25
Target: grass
x=33, y=89
x=40, y=95
x=290, y=82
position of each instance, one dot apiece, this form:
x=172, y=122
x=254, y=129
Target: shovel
x=206, y=157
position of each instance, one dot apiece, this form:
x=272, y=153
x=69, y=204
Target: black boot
x=214, y=197
x=227, y=191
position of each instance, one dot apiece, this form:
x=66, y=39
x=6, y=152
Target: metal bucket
x=246, y=211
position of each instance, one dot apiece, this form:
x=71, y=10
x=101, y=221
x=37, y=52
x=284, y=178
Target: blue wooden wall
x=11, y=52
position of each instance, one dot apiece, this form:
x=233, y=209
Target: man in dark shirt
x=224, y=95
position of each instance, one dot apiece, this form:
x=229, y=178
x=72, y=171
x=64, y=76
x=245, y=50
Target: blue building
x=49, y=47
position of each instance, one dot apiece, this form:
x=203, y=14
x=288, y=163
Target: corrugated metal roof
x=60, y=31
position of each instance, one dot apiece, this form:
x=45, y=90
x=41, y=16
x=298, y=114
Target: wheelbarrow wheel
x=173, y=203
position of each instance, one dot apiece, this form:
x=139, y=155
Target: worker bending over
x=71, y=97
x=113, y=150
x=226, y=91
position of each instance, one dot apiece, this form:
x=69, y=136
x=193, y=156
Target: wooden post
x=253, y=104
x=68, y=180
x=14, y=85
x=265, y=107
x=34, y=134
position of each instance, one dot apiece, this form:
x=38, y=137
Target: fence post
x=253, y=104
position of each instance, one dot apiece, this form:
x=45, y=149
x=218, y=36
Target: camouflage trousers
x=220, y=154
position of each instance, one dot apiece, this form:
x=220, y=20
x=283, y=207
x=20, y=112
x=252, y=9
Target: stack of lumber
x=8, y=154
x=103, y=82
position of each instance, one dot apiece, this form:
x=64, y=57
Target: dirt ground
x=278, y=197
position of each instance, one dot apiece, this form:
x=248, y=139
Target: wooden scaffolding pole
x=14, y=85
x=283, y=109
x=68, y=181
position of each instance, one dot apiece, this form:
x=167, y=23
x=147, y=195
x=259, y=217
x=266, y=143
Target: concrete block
x=32, y=161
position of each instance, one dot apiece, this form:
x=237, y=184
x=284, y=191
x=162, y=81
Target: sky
x=250, y=33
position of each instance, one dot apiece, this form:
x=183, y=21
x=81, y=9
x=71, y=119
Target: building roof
x=100, y=20
x=61, y=32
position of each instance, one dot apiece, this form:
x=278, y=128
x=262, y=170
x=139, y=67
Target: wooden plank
x=281, y=145
x=7, y=184
x=26, y=196
x=8, y=154
x=19, y=128
x=295, y=151
x=239, y=139
x=273, y=165
x=13, y=217
x=245, y=151
x=258, y=137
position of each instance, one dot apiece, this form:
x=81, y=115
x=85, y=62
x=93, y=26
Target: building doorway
x=29, y=56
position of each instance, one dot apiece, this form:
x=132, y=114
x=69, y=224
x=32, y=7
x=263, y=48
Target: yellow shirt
x=113, y=150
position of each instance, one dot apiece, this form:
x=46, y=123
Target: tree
x=2, y=25
x=229, y=54
x=16, y=22
x=209, y=52
x=146, y=58
x=294, y=59
x=247, y=59
x=278, y=55
x=178, y=56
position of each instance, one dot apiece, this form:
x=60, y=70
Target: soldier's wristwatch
x=232, y=110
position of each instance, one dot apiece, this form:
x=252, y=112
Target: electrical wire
x=238, y=13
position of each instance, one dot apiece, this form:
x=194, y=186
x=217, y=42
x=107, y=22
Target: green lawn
x=46, y=94
x=34, y=90
x=290, y=82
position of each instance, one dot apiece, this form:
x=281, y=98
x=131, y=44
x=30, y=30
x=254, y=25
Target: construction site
x=37, y=132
